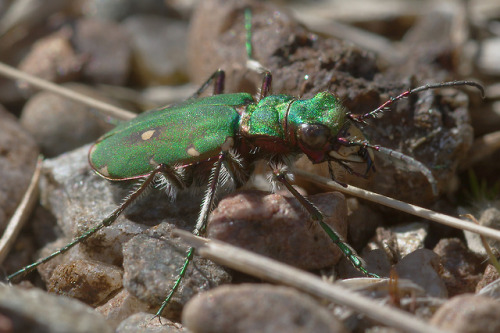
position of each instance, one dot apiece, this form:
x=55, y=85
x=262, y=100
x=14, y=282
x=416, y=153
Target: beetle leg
x=252, y=63
x=411, y=163
x=161, y=168
x=220, y=78
x=201, y=223
x=348, y=169
x=234, y=168
x=279, y=174
x=363, y=152
x=332, y=174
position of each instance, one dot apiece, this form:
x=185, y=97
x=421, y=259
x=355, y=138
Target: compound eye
x=313, y=135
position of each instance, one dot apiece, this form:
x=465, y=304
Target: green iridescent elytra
x=198, y=129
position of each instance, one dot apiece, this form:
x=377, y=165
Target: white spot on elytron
x=153, y=162
x=193, y=152
x=104, y=171
x=147, y=135
x=228, y=144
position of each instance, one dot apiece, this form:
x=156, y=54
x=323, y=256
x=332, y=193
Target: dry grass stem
x=275, y=271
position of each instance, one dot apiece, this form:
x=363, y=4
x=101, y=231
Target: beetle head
x=323, y=130
x=321, y=144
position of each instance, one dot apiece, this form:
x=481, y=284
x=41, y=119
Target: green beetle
x=203, y=141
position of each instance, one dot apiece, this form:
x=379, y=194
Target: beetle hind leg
x=132, y=197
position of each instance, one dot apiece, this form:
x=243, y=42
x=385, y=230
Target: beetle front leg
x=279, y=174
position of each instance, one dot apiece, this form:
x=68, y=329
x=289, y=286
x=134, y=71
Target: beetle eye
x=313, y=135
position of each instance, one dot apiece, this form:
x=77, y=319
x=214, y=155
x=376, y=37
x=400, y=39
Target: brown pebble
x=462, y=268
x=89, y=281
x=468, y=314
x=490, y=274
x=278, y=227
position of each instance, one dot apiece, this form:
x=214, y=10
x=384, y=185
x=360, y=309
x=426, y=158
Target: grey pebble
x=159, y=49
x=490, y=217
x=422, y=267
x=108, y=51
x=18, y=154
x=152, y=262
x=34, y=310
x=145, y=323
x=257, y=308
x=45, y=116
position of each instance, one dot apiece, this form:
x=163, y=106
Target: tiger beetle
x=213, y=141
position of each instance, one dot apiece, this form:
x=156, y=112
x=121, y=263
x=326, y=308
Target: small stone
x=159, y=49
x=363, y=221
x=462, y=268
x=488, y=61
x=107, y=47
x=34, y=310
x=145, y=323
x=490, y=275
x=399, y=241
x=91, y=282
x=257, y=308
x=18, y=154
x=422, y=267
x=45, y=270
x=53, y=58
x=410, y=237
x=45, y=116
x=377, y=262
x=490, y=218
x=121, y=306
x=152, y=262
x=491, y=290
x=112, y=10
x=116, y=10
x=468, y=314
x=279, y=227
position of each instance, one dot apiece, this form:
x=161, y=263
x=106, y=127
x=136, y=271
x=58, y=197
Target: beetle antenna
x=383, y=107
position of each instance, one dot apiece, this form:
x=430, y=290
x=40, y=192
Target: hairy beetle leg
x=160, y=169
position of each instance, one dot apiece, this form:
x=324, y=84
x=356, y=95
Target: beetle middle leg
x=225, y=163
x=279, y=174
